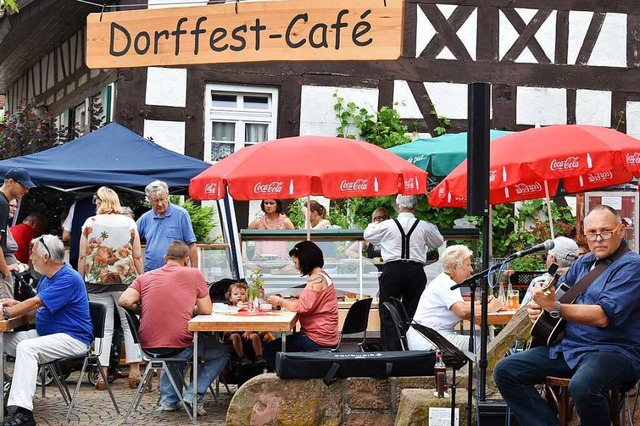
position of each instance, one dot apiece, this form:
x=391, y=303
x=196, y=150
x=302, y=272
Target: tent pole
x=548, y=199
x=308, y=218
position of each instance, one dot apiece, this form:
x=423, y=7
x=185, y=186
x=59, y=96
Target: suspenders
x=405, y=253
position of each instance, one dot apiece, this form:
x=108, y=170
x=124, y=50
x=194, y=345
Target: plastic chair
x=158, y=358
x=402, y=311
x=398, y=325
x=98, y=312
x=356, y=321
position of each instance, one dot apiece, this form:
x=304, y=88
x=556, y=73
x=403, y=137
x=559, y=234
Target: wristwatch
x=5, y=313
x=555, y=312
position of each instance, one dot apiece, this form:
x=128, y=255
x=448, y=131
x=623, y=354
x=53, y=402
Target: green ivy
x=202, y=218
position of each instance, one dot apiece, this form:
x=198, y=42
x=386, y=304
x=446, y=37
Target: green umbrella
x=440, y=155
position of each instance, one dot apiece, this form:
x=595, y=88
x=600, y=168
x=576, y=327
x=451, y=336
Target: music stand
x=454, y=357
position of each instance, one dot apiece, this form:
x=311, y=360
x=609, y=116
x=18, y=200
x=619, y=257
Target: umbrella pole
x=548, y=199
x=308, y=217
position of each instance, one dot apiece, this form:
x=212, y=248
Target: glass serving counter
x=354, y=275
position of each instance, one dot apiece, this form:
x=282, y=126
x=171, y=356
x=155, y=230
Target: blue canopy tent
x=112, y=155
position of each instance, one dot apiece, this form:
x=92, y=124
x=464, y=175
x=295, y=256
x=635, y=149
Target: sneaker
x=170, y=407
x=200, y=410
x=260, y=361
x=244, y=360
x=20, y=419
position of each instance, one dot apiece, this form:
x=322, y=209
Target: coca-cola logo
x=633, y=158
x=409, y=184
x=210, y=188
x=600, y=176
x=268, y=188
x=492, y=175
x=356, y=185
x=566, y=164
x=524, y=188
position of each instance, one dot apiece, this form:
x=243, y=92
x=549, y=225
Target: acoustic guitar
x=547, y=330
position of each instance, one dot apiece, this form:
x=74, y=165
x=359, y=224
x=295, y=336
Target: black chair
x=158, y=358
x=404, y=316
x=398, y=325
x=98, y=312
x=356, y=321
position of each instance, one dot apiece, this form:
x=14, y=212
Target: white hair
x=157, y=188
x=453, y=256
x=409, y=202
x=49, y=245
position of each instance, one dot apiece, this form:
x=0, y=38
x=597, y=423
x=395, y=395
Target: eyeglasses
x=96, y=199
x=156, y=201
x=41, y=241
x=605, y=235
x=380, y=218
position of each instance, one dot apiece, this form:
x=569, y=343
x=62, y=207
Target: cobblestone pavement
x=94, y=407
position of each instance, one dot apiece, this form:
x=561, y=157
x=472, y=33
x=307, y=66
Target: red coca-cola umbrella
x=309, y=165
x=530, y=164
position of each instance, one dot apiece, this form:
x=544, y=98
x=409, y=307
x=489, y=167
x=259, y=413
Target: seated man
x=168, y=298
x=441, y=308
x=564, y=253
x=63, y=324
x=599, y=351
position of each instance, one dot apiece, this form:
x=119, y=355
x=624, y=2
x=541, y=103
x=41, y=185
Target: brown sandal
x=134, y=381
x=101, y=384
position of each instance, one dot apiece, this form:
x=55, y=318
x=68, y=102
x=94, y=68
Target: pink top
x=318, y=314
x=277, y=248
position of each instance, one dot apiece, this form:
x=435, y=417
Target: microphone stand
x=473, y=282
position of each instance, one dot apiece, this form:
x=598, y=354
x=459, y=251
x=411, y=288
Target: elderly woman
x=380, y=214
x=441, y=308
x=110, y=259
x=317, y=306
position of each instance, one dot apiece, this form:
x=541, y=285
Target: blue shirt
x=160, y=231
x=617, y=292
x=65, y=306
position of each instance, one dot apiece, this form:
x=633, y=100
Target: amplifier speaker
x=478, y=149
x=494, y=413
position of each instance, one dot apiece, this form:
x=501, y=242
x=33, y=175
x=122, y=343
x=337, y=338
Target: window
x=237, y=117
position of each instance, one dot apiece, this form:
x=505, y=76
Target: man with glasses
x=162, y=224
x=16, y=184
x=63, y=324
x=599, y=351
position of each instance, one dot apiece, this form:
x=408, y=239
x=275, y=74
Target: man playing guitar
x=601, y=346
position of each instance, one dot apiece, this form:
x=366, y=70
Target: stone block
x=415, y=404
x=368, y=393
x=370, y=419
x=268, y=400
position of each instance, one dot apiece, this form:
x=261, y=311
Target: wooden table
x=7, y=326
x=275, y=321
x=496, y=318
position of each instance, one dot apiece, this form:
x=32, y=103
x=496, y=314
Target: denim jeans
x=296, y=342
x=215, y=357
x=593, y=377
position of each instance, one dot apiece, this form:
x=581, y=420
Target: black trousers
x=405, y=281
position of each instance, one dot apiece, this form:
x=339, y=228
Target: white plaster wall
x=610, y=49
x=593, y=107
x=425, y=32
x=633, y=119
x=541, y=105
x=317, y=116
x=404, y=101
x=449, y=99
x=168, y=134
x=166, y=87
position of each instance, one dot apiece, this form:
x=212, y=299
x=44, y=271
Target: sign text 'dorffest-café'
x=294, y=30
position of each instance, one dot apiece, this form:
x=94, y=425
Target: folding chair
x=158, y=358
x=98, y=312
x=356, y=321
x=404, y=316
x=398, y=325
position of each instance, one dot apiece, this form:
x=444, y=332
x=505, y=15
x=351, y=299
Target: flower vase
x=251, y=305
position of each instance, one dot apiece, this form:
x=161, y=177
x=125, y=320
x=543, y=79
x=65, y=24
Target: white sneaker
x=170, y=407
x=200, y=410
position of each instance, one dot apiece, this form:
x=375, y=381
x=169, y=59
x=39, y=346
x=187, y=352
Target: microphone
x=547, y=245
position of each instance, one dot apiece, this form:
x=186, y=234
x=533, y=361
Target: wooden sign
x=296, y=30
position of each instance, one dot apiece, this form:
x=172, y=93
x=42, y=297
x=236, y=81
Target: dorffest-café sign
x=295, y=30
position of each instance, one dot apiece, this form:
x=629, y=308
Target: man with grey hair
x=162, y=224
x=564, y=253
x=403, y=245
x=63, y=324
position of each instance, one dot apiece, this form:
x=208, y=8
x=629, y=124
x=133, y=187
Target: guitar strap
x=599, y=268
